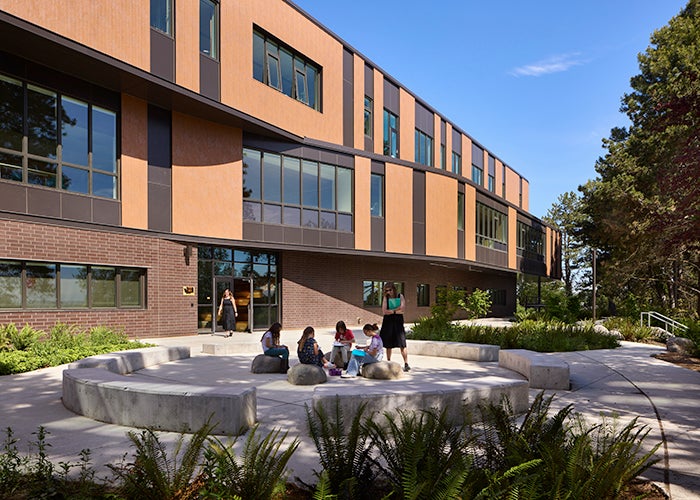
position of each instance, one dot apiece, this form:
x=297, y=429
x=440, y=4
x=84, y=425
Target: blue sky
x=537, y=83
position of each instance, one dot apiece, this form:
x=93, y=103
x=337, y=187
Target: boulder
x=681, y=345
x=384, y=370
x=301, y=374
x=266, y=364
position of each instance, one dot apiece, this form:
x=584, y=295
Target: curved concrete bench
x=457, y=350
x=457, y=400
x=543, y=370
x=98, y=388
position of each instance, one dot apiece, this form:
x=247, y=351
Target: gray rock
x=598, y=328
x=616, y=334
x=384, y=370
x=266, y=364
x=301, y=374
x=681, y=345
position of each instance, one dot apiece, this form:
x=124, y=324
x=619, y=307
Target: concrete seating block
x=302, y=374
x=542, y=370
x=266, y=364
x=382, y=370
x=124, y=362
x=457, y=350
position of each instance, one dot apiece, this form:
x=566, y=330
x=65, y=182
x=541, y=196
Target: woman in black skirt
x=393, y=333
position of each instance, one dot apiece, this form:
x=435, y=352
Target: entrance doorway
x=241, y=288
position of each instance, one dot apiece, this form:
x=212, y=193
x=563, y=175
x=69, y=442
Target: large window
x=424, y=149
x=209, y=28
x=531, y=242
x=281, y=67
x=376, y=196
x=491, y=228
x=423, y=295
x=391, y=134
x=70, y=144
x=162, y=16
x=460, y=211
x=443, y=157
x=369, y=117
x=280, y=189
x=456, y=163
x=372, y=291
x=48, y=285
x=478, y=175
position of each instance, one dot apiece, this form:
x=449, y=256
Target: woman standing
x=228, y=312
x=308, y=351
x=393, y=333
x=271, y=346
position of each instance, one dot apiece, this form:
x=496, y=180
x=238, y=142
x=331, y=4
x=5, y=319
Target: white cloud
x=554, y=64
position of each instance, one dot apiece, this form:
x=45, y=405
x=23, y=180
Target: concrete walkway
x=625, y=381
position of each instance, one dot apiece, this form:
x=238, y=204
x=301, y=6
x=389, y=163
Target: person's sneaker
x=347, y=375
x=330, y=366
x=406, y=368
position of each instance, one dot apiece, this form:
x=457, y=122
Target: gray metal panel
x=491, y=203
x=159, y=175
x=209, y=81
x=329, y=239
x=419, y=196
x=378, y=234
x=162, y=55
x=491, y=257
x=311, y=237
x=273, y=233
x=44, y=202
x=346, y=240
x=456, y=142
x=76, y=207
x=369, y=81
x=377, y=167
x=348, y=100
x=460, y=244
x=492, y=165
x=477, y=156
x=391, y=97
x=425, y=121
x=293, y=235
x=13, y=197
x=252, y=231
x=159, y=207
x=418, y=238
x=369, y=144
x=106, y=211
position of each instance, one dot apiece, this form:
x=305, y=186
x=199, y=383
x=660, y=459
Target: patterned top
x=306, y=353
x=376, y=343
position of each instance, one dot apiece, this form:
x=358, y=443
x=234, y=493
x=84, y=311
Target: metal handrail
x=663, y=319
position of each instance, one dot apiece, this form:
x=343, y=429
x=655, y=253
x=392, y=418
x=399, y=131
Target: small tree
x=477, y=304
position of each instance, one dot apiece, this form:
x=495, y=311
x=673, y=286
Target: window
x=477, y=175
x=44, y=285
x=491, y=228
x=498, y=297
x=491, y=176
x=369, y=117
x=423, y=295
x=376, y=197
x=443, y=157
x=424, y=149
x=71, y=143
x=162, y=16
x=372, y=292
x=531, y=242
x=281, y=67
x=492, y=184
x=279, y=189
x=456, y=163
x=460, y=211
x=209, y=28
x=391, y=134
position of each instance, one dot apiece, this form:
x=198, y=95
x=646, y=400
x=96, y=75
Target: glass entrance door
x=242, y=292
x=221, y=284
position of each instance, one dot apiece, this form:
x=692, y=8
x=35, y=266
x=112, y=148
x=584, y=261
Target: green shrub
x=630, y=329
x=21, y=340
x=477, y=304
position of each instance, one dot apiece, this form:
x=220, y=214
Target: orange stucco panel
x=470, y=221
x=119, y=28
x=499, y=178
x=241, y=91
x=466, y=157
x=399, y=208
x=512, y=186
x=526, y=195
x=359, y=101
x=363, y=227
x=512, y=237
x=378, y=112
x=407, y=125
x=207, y=178
x=187, y=44
x=134, y=162
x=440, y=215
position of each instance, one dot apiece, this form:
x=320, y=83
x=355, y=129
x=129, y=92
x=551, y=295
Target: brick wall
x=167, y=311
x=319, y=290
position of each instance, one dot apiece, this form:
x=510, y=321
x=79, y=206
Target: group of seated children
x=342, y=354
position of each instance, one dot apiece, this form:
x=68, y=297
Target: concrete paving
x=626, y=382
